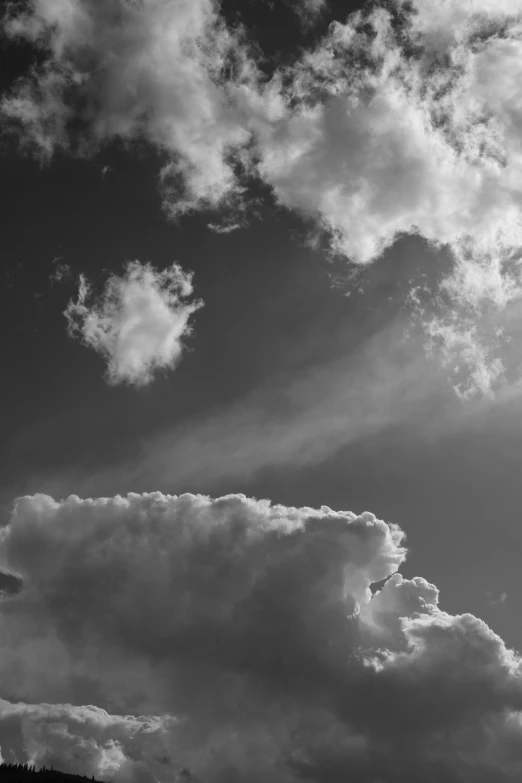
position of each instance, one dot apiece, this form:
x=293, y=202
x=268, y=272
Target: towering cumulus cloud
x=137, y=323
x=235, y=640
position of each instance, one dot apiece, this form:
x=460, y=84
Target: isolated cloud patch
x=249, y=630
x=137, y=323
x=309, y=10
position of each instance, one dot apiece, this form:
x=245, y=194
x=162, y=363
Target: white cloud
x=476, y=367
x=61, y=271
x=375, y=135
x=249, y=631
x=149, y=71
x=448, y=22
x=400, y=121
x=137, y=323
x=385, y=383
x=86, y=740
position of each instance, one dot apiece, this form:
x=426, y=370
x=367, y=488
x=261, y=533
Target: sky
x=261, y=310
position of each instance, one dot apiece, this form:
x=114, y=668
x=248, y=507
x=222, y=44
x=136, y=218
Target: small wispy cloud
x=61, y=271
x=309, y=10
x=497, y=600
x=86, y=739
x=137, y=323
x=225, y=228
x=286, y=424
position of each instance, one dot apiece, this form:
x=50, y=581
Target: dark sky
x=306, y=378
x=271, y=312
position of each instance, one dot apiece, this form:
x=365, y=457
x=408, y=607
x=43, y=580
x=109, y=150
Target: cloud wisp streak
x=286, y=423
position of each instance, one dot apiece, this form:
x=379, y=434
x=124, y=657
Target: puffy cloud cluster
x=408, y=122
x=138, y=321
x=250, y=631
x=404, y=119
x=390, y=127
x=150, y=70
x=86, y=740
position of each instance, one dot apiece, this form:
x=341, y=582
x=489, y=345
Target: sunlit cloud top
x=403, y=119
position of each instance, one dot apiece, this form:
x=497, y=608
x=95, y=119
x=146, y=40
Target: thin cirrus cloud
x=280, y=425
x=137, y=323
x=233, y=639
x=401, y=120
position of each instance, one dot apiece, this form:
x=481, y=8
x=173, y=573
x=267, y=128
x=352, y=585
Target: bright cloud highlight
x=409, y=123
x=403, y=119
x=250, y=632
x=85, y=739
x=149, y=70
x=137, y=323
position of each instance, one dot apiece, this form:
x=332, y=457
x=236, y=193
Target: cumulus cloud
x=150, y=70
x=249, y=632
x=138, y=321
x=408, y=122
x=404, y=119
x=86, y=740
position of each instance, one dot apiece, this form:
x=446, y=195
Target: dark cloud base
x=241, y=640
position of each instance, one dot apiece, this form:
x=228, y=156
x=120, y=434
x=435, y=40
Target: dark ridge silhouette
x=24, y=773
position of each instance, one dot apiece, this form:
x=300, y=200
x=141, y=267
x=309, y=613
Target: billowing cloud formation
x=85, y=739
x=250, y=632
x=378, y=139
x=409, y=123
x=127, y=70
x=138, y=321
x=402, y=120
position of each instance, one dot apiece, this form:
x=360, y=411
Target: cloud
x=86, y=740
x=384, y=142
x=225, y=228
x=404, y=122
x=250, y=632
x=403, y=119
x=137, y=323
x=132, y=71
x=385, y=382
